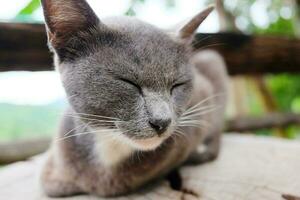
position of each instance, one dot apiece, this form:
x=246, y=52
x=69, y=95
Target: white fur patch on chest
x=111, y=150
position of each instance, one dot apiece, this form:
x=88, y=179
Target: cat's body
x=131, y=87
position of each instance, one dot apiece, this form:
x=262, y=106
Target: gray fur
x=95, y=62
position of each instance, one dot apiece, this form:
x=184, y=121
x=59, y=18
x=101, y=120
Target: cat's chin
x=147, y=144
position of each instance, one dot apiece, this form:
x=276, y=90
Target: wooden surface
x=249, y=168
x=24, y=47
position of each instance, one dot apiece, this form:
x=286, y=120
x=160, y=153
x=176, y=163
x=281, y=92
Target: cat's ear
x=65, y=18
x=187, y=32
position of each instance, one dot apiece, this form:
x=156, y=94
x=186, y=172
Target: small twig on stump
x=271, y=120
x=290, y=197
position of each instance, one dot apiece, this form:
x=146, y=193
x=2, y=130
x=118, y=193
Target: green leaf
x=170, y=3
x=26, y=12
x=296, y=105
x=130, y=12
x=32, y=6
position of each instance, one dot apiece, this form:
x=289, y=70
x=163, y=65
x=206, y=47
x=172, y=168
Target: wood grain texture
x=24, y=47
x=249, y=168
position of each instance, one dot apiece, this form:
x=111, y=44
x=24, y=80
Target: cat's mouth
x=151, y=143
x=144, y=140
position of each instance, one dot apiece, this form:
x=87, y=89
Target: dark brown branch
x=254, y=54
x=22, y=150
x=271, y=120
x=23, y=47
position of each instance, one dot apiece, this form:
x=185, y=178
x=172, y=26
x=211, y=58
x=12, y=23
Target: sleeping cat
x=141, y=101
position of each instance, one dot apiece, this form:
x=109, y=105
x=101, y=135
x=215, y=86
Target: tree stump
x=249, y=167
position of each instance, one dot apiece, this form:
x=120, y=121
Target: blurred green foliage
x=23, y=121
x=286, y=90
x=280, y=27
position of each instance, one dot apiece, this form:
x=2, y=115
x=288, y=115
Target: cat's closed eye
x=178, y=85
x=132, y=84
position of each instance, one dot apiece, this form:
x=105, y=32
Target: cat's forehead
x=143, y=36
x=140, y=46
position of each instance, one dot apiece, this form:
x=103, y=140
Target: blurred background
x=31, y=103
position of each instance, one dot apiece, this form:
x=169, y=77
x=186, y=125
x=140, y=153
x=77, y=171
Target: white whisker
x=93, y=119
x=193, y=115
x=206, y=99
x=100, y=116
x=211, y=107
x=85, y=133
x=82, y=125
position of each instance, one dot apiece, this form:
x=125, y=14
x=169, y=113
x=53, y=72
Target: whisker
x=72, y=96
x=179, y=133
x=198, y=109
x=92, y=119
x=82, y=125
x=197, y=114
x=210, y=45
x=202, y=40
x=198, y=105
x=193, y=126
x=100, y=116
x=206, y=99
x=83, y=133
x=192, y=121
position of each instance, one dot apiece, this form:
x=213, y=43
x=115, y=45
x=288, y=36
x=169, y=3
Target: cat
x=140, y=101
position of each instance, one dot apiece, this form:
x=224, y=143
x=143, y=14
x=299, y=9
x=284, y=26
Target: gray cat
x=141, y=101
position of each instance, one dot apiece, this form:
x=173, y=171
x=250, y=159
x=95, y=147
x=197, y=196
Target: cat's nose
x=160, y=125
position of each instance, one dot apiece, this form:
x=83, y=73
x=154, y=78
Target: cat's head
x=137, y=77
